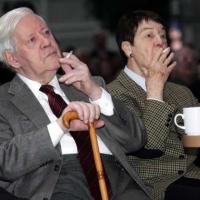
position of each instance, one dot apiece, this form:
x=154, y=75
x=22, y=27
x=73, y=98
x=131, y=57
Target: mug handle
x=175, y=120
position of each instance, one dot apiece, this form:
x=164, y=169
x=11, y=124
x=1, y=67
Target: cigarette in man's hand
x=69, y=54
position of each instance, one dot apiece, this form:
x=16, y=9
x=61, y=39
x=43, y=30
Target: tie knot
x=47, y=89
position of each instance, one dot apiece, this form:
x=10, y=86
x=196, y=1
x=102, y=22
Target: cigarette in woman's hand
x=165, y=49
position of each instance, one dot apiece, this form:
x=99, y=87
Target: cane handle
x=95, y=149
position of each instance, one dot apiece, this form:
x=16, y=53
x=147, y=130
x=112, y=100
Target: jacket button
x=169, y=120
x=167, y=124
x=180, y=172
x=56, y=168
x=181, y=157
x=170, y=115
x=122, y=169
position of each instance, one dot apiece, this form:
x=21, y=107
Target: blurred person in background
x=6, y=74
x=186, y=70
x=175, y=37
x=104, y=62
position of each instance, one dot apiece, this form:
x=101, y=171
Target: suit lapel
x=133, y=89
x=21, y=94
x=73, y=94
x=27, y=103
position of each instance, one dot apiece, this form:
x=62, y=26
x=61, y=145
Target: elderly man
x=40, y=157
x=164, y=163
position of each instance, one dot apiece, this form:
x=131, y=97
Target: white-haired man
x=36, y=150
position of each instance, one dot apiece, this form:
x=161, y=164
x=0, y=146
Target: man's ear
x=11, y=59
x=127, y=48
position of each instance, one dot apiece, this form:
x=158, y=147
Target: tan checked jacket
x=173, y=161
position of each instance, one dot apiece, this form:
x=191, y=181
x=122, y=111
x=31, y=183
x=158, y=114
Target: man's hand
x=87, y=113
x=77, y=74
x=159, y=70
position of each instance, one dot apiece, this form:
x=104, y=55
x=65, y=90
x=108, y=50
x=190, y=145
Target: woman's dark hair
x=129, y=22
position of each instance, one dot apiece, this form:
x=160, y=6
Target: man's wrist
x=96, y=93
x=105, y=103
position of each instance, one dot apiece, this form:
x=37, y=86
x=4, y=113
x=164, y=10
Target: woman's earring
x=131, y=55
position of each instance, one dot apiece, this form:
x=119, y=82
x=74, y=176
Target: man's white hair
x=8, y=23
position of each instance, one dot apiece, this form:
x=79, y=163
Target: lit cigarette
x=69, y=54
x=165, y=49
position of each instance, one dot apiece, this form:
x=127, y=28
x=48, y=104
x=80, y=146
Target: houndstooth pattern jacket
x=175, y=161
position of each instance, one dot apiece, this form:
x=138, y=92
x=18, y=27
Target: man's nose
x=45, y=41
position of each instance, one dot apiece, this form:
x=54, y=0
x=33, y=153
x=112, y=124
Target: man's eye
x=31, y=40
x=47, y=32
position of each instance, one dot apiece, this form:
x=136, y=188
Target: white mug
x=191, y=118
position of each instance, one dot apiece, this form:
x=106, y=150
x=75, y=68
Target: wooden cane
x=95, y=149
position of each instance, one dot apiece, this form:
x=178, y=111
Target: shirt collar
x=135, y=77
x=34, y=86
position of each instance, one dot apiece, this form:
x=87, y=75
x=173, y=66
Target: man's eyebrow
x=44, y=27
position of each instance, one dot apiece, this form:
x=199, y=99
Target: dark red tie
x=82, y=140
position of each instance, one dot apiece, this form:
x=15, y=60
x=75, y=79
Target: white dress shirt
x=68, y=145
x=135, y=77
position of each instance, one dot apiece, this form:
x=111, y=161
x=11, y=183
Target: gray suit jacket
x=29, y=163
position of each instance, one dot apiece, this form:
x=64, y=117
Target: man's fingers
x=72, y=77
x=99, y=123
x=71, y=60
x=97, y=112
x=87, y=112
x=78, y=108
x=80, y=126
x=94, y=112
x=67, y=68
x=77, y=125
x=69, y=78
